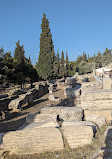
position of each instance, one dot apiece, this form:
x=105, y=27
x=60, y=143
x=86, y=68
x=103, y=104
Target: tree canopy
x=46, y=55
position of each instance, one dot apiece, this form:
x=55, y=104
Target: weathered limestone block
x=48, y=123
x=71, y=81
x=15, y=104
x=51, y=110
x=67, y=113
x=97, y=95
x=32, y=118
x=97, y=119
x=69, y=92
x=36, y=140
x=73, y=113
x=96, y=105
x=78, y=123
x=90, y=86
x=107, y=114
x=78, y=135
x=23, y=99
x=53, y=98
x=96, y=100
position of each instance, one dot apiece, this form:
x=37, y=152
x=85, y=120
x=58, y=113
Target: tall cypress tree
x=56, y=65
x=46, y=55
x=66, y=64
x=62, y=67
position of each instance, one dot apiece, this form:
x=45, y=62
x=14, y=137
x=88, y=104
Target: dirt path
x=16, y=120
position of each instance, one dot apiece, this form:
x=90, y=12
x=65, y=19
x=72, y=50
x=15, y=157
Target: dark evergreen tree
x=62, y=66
x=84, y=56
x=67, y=64
x=1, y=65
x=23, y=68
x=98, y=60
x=1, y=60
x=79, y=59
x=19, y=53
x=56, y=65
x=29, y=60
x=46, y=55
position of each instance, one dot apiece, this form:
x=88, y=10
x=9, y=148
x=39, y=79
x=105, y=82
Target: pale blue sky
x=76, y=25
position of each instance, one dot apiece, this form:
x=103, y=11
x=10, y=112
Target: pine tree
x=62, y=67
x=46, y=55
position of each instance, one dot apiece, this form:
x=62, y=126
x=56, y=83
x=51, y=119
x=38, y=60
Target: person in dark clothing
x=59, y=121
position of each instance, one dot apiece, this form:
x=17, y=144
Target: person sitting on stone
x=59, y=121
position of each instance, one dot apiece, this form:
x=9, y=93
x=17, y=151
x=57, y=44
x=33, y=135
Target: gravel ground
x=16, y=120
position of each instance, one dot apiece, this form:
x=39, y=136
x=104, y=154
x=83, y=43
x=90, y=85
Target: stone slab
x=33, y=140
x=97, y=95
x=51, y=110
x=48, y=123
x=78, y=135
x=96, y=105
x=78, y=123
x=32, y=118
x=97, y=119
x=107, y=114
x=67, y=113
